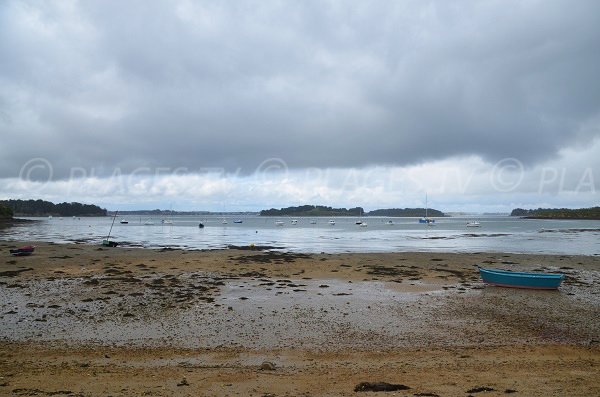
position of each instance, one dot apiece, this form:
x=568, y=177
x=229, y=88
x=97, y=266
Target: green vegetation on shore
x=313, y=210
x=399, y=212
x=5, y=213
x=320, y=210
x=46, y=208
x=558, y=213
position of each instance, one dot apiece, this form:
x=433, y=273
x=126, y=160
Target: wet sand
x=92, y=321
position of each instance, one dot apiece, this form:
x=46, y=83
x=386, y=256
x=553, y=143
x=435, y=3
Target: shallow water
x=496, y=234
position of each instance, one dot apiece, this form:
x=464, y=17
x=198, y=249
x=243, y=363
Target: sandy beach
x=84, y=320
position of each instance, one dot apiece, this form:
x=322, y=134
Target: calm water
x=496, y=234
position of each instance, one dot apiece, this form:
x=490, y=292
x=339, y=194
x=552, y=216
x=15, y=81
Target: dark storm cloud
x=105, y=84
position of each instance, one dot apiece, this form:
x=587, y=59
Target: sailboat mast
x=426, y=205
x=111, y=225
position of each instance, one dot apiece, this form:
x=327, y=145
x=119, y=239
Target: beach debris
x=35, y=392
x=14, y=273
x=480, y=389
x=509, y=391
x=379, y=386
x=183, y=382
x=267, y=366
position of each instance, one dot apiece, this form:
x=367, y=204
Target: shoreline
x=96, y=242
x=97, y=318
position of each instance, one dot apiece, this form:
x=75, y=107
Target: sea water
x=382, y=234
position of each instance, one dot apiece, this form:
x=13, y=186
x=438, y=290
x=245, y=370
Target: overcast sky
x=197, y=105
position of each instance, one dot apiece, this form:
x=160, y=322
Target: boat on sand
x=508, y=278
x=23, y=251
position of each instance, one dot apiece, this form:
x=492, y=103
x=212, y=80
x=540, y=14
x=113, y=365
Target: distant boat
x=23, y=251
x=201, y=225
x=473, y=224
x=363, y=224
x=389, y=223
x=238, y=221
x=124, y=222
x=279, y=223
x=425, y=219
x=224, y=222
x=170, y=220
x=148, y=222
x=313, y=222
x=507, y=278
x=331, y=222
x=294, y=221
x=359, y=221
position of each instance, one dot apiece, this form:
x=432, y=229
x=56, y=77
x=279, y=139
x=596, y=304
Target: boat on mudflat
x=23, y=251
x=507, y=278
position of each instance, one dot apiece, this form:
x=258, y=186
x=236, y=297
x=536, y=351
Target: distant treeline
x=406, y=212
x=46, y=208
x=558, y=213
x=321, y=210
x=313, y=210
x=5, y=212
x=171, y=213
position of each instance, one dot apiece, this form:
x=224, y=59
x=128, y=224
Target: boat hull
x=23, y=251
x=506, y=278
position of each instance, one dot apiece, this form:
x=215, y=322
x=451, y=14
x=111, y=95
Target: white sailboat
x=426, y=219
x=169, y=220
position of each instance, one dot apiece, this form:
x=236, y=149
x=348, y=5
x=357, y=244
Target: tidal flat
x=79, y=319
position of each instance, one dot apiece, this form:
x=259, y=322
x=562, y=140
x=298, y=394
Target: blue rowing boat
x=507, y=278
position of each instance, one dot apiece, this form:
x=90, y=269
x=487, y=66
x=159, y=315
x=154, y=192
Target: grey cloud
x=99, y=85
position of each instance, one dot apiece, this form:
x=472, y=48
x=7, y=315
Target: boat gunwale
x=522, y=274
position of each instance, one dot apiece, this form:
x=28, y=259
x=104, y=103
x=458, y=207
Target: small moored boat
x=473, y=224
x=507, y=278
